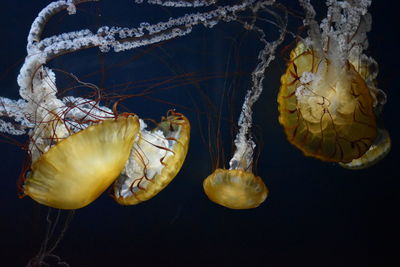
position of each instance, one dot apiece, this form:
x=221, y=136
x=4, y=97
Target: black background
x=317, y=214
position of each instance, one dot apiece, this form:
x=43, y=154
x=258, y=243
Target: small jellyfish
x=156, y=158
x=238, y=187
x=235, y=189
x=76, y=170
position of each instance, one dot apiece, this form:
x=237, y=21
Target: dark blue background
x=317, y=214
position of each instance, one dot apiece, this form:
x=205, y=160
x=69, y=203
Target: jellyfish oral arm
x=243, y=155
x=342, y=32
x=195, y=3
x=37, y=83
x=14, y=110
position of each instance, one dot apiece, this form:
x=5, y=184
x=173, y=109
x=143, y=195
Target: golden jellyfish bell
x=235, y=189
x=155, y=160
x=377, y=151
x=75, y=171
x=326, y=109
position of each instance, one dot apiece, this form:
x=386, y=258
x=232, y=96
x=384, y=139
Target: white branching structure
x=45, y=115
x=38, y=83
x=342, y=37
x=179, y=3
x=243, y=155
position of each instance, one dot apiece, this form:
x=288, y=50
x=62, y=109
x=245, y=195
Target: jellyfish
x=326, y=104
x=156, y=158
x=238, y=187
x=76, y=170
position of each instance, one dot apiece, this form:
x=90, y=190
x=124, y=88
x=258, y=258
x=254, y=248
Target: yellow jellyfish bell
x=235, y=189
x=155, y=160
x=378, y=150
x=326, y=110
x=75, y=171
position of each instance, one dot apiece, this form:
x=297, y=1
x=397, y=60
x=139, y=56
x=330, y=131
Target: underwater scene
x=199, y=133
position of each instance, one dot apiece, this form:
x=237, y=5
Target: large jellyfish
x=75, y=171
x=327, y=100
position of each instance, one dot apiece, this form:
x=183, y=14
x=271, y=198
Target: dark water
x=317, y=214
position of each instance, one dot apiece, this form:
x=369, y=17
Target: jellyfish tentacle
x=50, y=241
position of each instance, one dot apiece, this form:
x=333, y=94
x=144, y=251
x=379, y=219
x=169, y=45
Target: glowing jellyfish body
x=75, y=171
x=326, y=109
x=235, y=189
x=239, y=187
x=155, y=160
x=377, y=151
